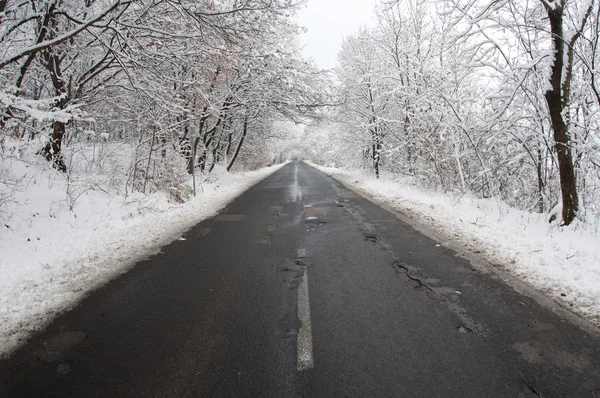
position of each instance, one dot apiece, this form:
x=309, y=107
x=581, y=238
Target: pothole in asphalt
x=371, y=238
x=374, y=239
x=277, y=211
x=291, y=271
x=289, y=324
x=314, y=211
x=314, y=216
x=231, y=217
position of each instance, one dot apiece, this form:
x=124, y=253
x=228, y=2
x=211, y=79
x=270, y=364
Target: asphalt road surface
x=302, y=288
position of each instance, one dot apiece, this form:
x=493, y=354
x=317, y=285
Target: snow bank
x=561, y=262
x=51, y=256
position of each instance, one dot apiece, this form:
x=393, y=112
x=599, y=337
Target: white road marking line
x=305, y=346
x=295, y=188
x=301, y=253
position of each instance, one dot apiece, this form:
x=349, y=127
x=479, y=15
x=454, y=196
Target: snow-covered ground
x=561, y=262
x=59, y=241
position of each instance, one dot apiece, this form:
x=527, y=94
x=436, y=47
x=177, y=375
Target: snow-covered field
x=59, y=241
x=562, y=263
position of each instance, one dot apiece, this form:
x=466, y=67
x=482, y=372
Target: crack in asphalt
x=530, y=389
x=465, y=323
x=404, y=267
x=430, y=292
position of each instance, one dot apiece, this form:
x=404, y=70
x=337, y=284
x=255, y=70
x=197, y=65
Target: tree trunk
x=376, y=154
x=147, y=173
x=229, y=142
x=203, y=117
x=376, y=137
x=540, y=180
x=557, y=100
x=191, y=161
x=214, y=160
x=239, y=145
x=376, y=147
x=163, y=152
x=53, y=149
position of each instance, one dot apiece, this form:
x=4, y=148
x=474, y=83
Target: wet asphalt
x=392, y=314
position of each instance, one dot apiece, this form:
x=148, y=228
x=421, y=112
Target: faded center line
x=295, y=189
x=305, y=346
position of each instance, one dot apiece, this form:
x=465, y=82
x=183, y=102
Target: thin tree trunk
x=191, y=161
x=458, y=165
x=194, y=143
x=149, y=158
x=376, y=152
x=203, y=118
x=239, y=145
x=229, y=143
x=540, y=179
x=43, y=31
x=163, y=152
x=375, y=135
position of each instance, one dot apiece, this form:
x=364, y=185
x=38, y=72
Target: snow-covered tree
x=495, y=98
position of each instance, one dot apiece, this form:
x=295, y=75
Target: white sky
x=328, y=21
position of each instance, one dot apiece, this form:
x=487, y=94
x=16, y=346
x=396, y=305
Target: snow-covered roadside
x=562, y=263
x=50, y=257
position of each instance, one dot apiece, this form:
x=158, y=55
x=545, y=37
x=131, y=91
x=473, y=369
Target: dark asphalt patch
x=277, y=211
x=263, y=240
x=57, y=345
x=202, y=232
x=291, y=272
x=231, y=217
x=265, y=237
x=314, y=211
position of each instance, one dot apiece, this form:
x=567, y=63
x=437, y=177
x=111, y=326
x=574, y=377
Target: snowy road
x=300, y=287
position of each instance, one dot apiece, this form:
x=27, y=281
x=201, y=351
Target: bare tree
x=558, y=98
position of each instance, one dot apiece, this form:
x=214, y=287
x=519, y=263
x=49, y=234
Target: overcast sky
x=328, y=21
